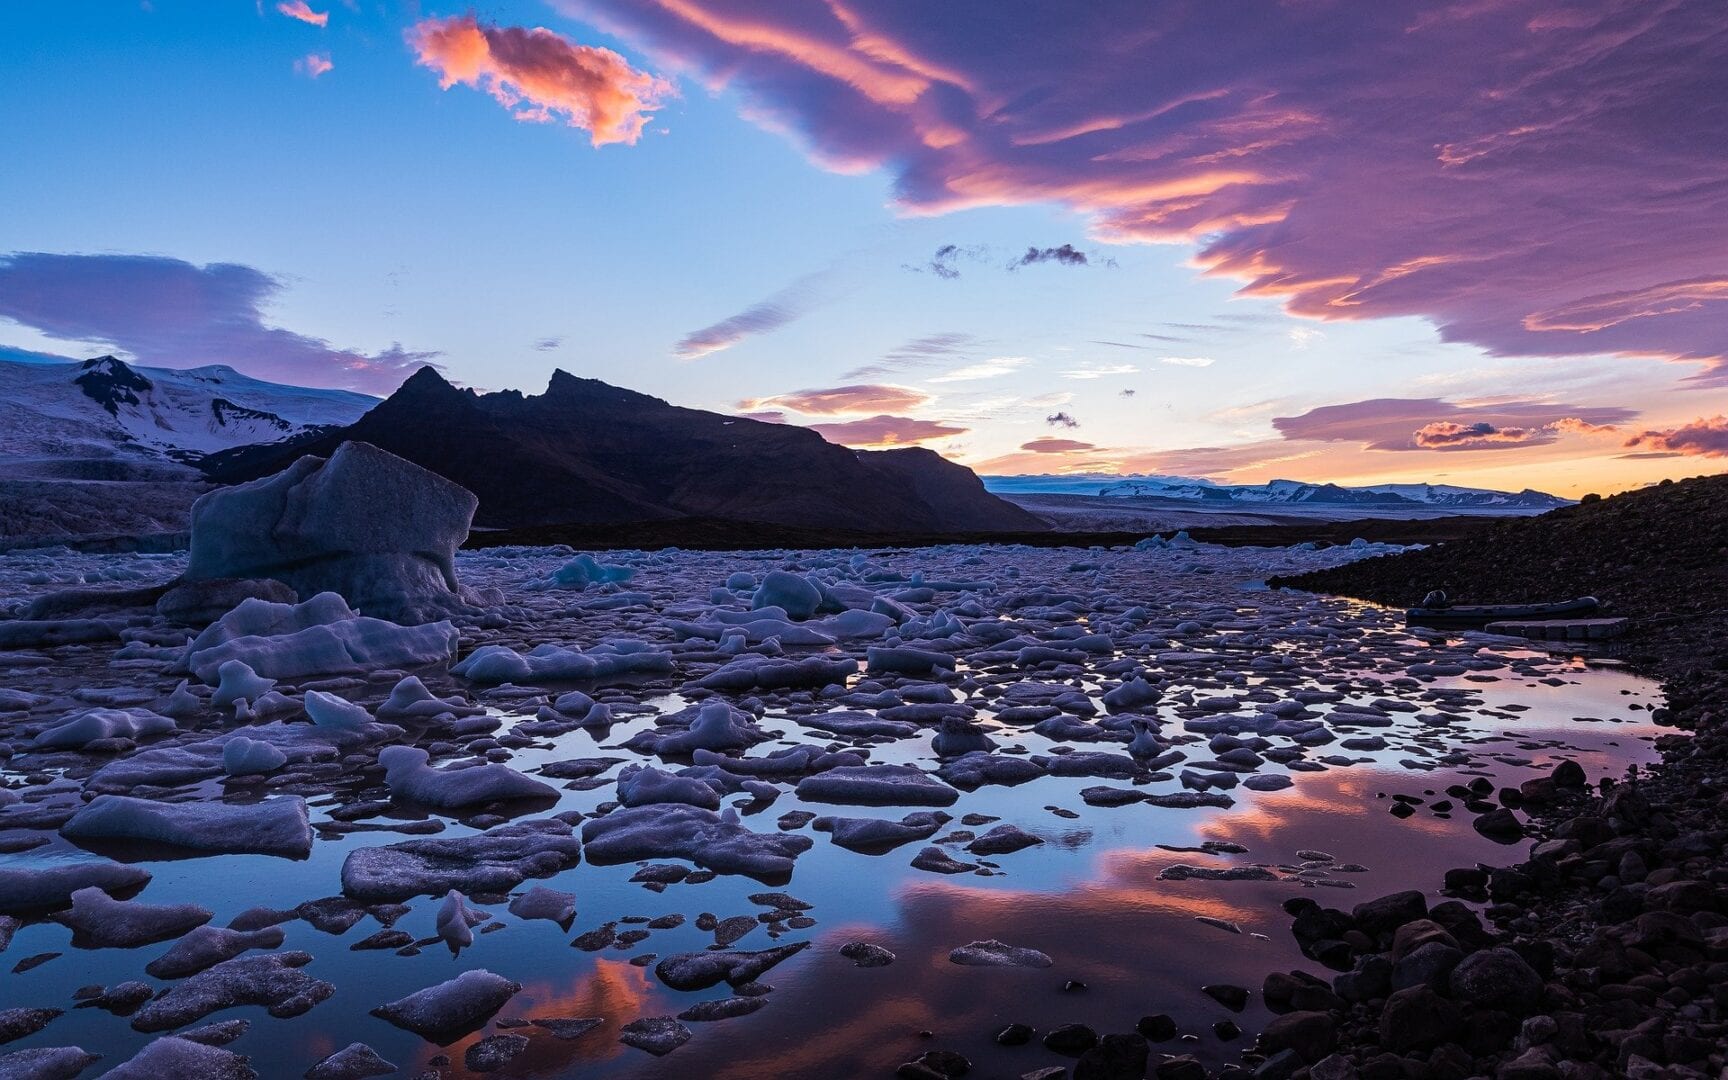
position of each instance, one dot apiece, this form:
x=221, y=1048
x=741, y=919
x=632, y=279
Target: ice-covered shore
x=636, y=719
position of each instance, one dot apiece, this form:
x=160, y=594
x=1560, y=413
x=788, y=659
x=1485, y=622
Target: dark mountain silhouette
x=586, y=452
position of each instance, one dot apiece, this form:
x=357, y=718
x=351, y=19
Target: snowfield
x=575, y=831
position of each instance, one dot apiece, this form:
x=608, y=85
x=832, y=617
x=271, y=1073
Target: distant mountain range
x=1273, y=493
x=585, y=452
x=107, y=409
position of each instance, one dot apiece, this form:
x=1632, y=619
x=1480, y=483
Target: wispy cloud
x=313, y=65
x=836, y=400
x=1064, y=254
x=887, y=431
x=298, y=9
x=1056, y=446
x=1100, y=371
x=1518, y=206
x=1187, y=361
x=989, y=369
x=542, y=76
x=764, y=317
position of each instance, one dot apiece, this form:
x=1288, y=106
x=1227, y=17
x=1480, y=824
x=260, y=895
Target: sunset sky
x=1479, y=242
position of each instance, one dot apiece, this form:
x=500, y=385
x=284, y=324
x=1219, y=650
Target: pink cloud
x=886, y=431
x=297, y=9
x=542, y=76
x=313, y=65
x=1056, y=446
x=1532, y=184
x=1704, y=437
x=1436, y=424
x=171, y=313
x=861, y=398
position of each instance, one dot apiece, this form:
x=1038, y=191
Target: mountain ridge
x=105, y=408
x=1275, y=492
x=587, y=452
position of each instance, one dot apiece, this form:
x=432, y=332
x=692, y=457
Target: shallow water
x=1090, y=896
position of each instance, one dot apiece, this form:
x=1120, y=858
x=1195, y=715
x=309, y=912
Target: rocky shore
x=1605, y=953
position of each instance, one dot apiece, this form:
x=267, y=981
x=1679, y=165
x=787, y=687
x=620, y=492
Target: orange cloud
x=886, y=431
x=862, y=398
x=313, y=65
x=297, y=9
x=542, y=76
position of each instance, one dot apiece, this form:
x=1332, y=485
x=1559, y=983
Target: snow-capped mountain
x=106, y=408
x=1272, y=493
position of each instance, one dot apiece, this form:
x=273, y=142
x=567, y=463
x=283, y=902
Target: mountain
x=1275, y=492
x=585, y=452
x=106, y=409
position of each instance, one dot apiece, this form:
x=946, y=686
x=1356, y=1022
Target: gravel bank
x=1605, y=953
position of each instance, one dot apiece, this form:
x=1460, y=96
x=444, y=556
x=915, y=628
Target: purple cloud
x=1534, y=179
x=1704, y=437
x=1436, y=424
x=171, y=313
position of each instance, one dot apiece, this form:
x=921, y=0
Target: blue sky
x=383, y=211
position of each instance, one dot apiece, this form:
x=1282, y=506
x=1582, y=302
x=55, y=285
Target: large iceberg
x=380, y=531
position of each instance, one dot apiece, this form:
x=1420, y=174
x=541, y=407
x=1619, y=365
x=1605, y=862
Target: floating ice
x=410, y=778
x=994, y=953
x=444, y=1013
x=273, y=980
x=49, y=1063
x=689, y=832
x=581, y=572
x=356, y=1061
x=659, y=1035
x=456, y=921
x=712, y=725
x=647, y=785
x=27, y=885
x=543, y=903
x=98, y=921
x=794, y=595
x=242, y=756
x=318, y=636
x=700, y=970
x=206, y=946
x=340, y=714
x=174, y=1056
x=874, y=836
x=762, y=673
x=236, y=682
x=492, y=862
x=80, y=729
x=877, y=785
x=410, y=700
x=550, y=663
x=276, y=826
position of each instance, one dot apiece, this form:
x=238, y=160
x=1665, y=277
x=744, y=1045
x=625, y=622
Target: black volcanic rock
x=590, y=453
x=108, y=382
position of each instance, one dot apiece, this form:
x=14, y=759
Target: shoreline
x=1606, y=952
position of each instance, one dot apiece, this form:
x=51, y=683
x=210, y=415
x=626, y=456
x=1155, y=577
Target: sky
x=1479, y=242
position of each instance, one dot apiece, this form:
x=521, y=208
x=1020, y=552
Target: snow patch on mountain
x=106, y=408
x=1272, y=493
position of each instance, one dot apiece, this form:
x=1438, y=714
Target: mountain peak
x=108, y=382
x=425, y=377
